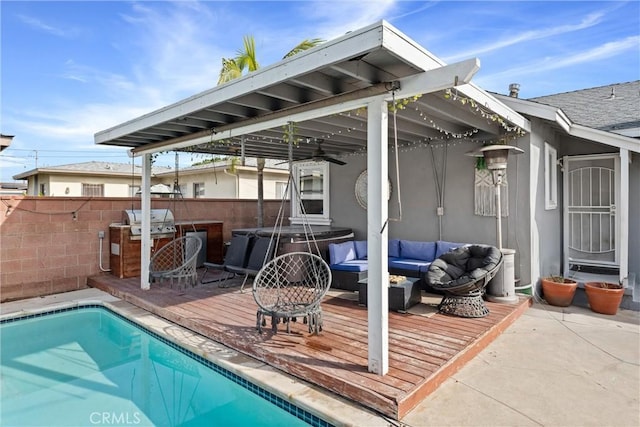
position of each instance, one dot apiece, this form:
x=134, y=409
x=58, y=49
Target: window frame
x=550, y=177
x=198, y=193
x=99, y=188
x=296, y=212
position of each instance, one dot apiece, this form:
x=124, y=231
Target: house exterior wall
x=419, y=200
x=545, y=232
x=248, y=184
x=51, y=245
x=242, y=184
x=56, y=185
x=634, y=218
x=217, y=185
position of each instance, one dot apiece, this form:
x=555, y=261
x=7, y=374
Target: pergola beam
x=429, y=81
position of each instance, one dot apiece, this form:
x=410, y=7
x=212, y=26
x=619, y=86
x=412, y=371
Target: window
x=550, y=177
x=43, y=190
x=92, y=190
x=281, y=187
x=198, y=190
x=312, y=185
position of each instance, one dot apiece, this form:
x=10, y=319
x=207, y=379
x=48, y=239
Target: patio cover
x=322, y=92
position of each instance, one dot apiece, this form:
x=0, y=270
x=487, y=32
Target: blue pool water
x=90, y=367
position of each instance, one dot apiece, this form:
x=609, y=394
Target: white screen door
x=591, y=192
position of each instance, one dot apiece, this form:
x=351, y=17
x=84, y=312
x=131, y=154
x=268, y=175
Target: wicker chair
x=462, y=275
x=289, y=286
x=176, y=261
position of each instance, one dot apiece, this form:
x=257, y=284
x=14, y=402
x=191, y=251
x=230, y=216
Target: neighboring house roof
x=5, y=141
x=613, y=108
x=91, y=168
x=250, y=163
x=592, y=114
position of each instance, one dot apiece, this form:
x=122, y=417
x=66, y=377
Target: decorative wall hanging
x=485, y=194
x=361, y=189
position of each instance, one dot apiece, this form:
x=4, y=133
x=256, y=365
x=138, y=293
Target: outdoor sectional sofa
x=349, y=264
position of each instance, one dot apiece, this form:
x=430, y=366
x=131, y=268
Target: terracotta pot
x=604, y=298
x=558, y=293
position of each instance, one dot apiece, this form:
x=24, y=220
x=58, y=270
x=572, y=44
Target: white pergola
x=322, y=91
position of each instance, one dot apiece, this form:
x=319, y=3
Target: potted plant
x=558, y=290
x=604, y=298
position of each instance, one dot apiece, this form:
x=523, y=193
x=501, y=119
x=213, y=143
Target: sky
x=72, y=69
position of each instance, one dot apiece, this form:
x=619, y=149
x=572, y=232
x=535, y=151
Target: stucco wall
x=546, y=224
x=634, y=217
x=419, y=200
x=50, y=244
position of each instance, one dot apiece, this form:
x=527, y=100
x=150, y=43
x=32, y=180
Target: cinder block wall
x=50, y=244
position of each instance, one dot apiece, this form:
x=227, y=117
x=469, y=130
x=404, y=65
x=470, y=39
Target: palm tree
x=232, y=68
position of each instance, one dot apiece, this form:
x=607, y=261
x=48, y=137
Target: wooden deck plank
x=423, y=350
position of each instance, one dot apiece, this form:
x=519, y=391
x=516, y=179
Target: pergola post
x=145, y=250
x=377, y=236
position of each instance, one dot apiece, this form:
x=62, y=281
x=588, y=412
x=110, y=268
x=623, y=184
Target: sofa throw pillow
x=341, y=252
x=417, y=250
x=394, y=248
x=443, y=247
x=361, y=249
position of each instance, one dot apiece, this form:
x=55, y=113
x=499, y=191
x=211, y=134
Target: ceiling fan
x=320, y=156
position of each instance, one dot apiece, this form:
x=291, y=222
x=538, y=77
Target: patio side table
x=402, y=295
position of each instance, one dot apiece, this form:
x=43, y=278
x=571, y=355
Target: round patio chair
x=462, y=276
x=176, y=261
x=289, y=286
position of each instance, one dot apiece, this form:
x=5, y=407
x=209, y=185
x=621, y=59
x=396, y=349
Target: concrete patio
x=553, y=367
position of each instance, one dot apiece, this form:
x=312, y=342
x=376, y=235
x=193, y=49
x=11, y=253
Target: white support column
x=377, y=236
x=145, y=251
x=623, y=212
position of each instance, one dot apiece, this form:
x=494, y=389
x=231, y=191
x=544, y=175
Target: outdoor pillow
x=443, y=247
x=417, y=250
x=394, y=248
x=341, y=252
x=361, y=249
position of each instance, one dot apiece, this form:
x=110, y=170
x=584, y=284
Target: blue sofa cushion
x=443, y=247
x=425, y=251
x=361, y=249
x=341, y=252
x=394, y=248
x=356, y=265
x=417, y=265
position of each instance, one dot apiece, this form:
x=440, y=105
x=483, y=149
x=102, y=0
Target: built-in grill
x=162, y=223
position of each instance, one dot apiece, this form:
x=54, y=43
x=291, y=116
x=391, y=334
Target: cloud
x=598, y=53
x=526, y=36
x=334, y=19
x=38, y=24
x=160, y=67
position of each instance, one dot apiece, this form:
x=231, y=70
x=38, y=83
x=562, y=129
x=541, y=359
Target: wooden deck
x=424, y=351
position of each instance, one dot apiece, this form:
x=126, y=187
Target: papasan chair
x=462, y=276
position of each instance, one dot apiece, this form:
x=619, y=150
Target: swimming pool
x=86, y=366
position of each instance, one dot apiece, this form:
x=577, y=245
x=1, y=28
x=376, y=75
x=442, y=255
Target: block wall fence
x=50, y=244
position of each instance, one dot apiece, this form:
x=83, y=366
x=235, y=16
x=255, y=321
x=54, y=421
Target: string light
x=447, y=138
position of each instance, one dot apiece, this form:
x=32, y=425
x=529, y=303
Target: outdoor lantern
x=502, y=287
x=495, y=157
